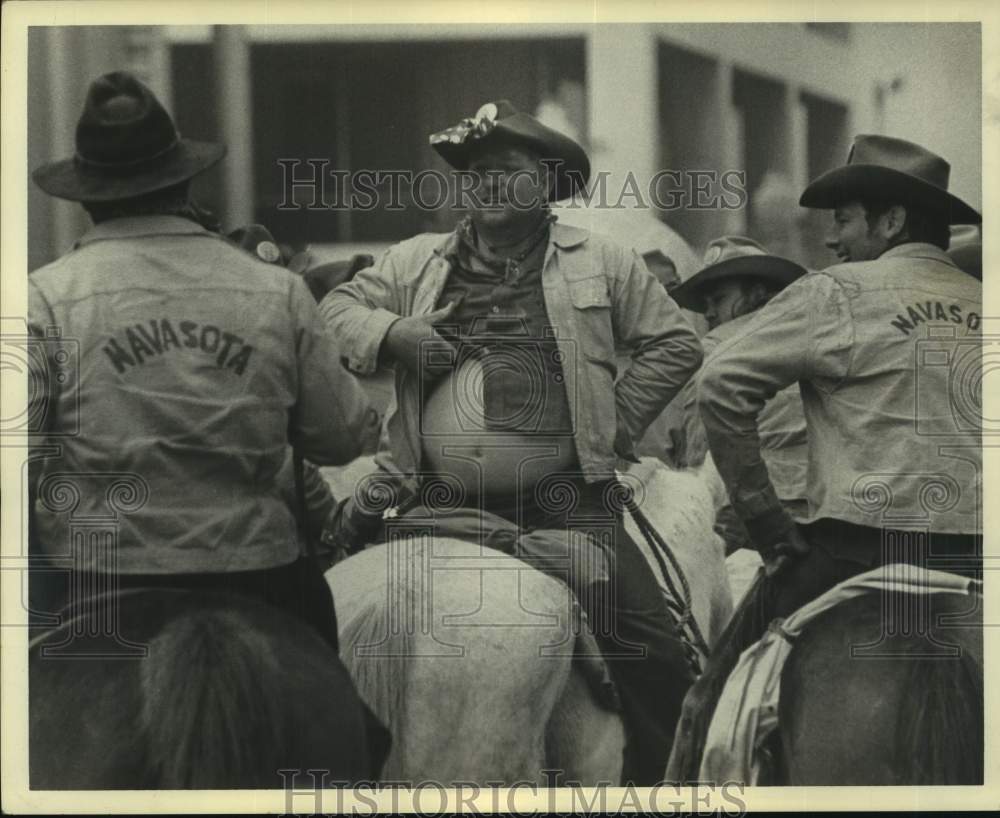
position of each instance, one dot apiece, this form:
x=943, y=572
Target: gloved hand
x=624, y=446
x=348, y=530
x=782, y=553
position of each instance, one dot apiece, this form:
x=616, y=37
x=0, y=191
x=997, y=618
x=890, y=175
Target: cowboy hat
x=734, y=257
x=501, y=123
x=966, y=250
x=126, y=146
x=883, y=167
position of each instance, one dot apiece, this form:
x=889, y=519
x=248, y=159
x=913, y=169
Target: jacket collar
x=565, y=236
x=916, y=249
x=136, y=226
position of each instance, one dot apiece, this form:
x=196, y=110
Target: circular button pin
x=269, y=252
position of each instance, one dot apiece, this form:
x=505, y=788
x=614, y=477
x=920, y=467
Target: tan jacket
x=182, y=370
x=596, y=294
x=888, y=356
x=782, y=427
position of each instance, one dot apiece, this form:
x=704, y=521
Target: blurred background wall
x=779, y=102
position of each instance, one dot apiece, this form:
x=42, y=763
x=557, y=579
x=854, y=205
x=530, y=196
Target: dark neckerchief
x=468, y=246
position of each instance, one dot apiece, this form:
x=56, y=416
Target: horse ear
x=300, y=262
x=359, y=262
x=708, y=473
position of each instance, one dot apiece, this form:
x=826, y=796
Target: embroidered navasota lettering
x=932, y=312
x=137, y=343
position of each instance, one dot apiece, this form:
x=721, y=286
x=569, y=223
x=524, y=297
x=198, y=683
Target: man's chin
x=498, y=216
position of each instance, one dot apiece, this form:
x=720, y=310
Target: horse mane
x=210, y=704
x=228, y=692
x=233, y=691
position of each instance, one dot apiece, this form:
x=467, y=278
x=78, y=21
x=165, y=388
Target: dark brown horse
x=869, y=697
x=193, y=690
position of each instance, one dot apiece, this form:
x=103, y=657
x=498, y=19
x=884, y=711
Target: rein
x=302, y=515
x=682, y=614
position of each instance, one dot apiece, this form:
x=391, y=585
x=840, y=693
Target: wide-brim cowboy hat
x=884, y=168
x=500, y=123
x=126, y=146
x=734, y=257
x=966, y=250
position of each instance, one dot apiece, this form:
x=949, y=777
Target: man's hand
x=408, y=336
x=785, y=551
x=348, y=529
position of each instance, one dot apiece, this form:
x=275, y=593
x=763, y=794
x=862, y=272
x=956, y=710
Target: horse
x=471, y=657
x=862, y=704
x=193, y=690
x=681, y=504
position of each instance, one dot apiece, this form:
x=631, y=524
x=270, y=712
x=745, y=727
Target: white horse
x=467, y=655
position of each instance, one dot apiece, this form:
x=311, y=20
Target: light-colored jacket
x=781, y=426
x=596, y=294
x=186, y=367
x=888, y=357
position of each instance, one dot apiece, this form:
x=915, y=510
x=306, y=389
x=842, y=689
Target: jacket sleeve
x=665, y=351
x=693, y=442
x=360, y=312
x=43, y=387
x=332, y=422
x=804, y=333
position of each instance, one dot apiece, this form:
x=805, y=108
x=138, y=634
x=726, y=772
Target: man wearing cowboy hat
x=534, y=310
x=877, y=345
x=739, y=278
x=199, y=365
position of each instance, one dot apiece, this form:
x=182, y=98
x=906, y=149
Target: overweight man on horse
x=877, y=411
x=529, y=311
x=199, y=366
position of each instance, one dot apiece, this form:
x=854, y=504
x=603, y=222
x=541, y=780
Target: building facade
x=776, y=103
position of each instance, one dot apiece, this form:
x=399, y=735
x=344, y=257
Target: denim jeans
x=630, y=619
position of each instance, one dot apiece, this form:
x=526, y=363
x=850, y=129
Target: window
x=368, y=106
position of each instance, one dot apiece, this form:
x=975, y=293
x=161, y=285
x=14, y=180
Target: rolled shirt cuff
x=364, y=358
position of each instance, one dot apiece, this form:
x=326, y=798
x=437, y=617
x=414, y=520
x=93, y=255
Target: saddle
x=747, y=711
x=552, y=553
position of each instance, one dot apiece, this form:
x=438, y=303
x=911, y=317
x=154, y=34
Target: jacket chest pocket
x=589, y=293
x=592, y=311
